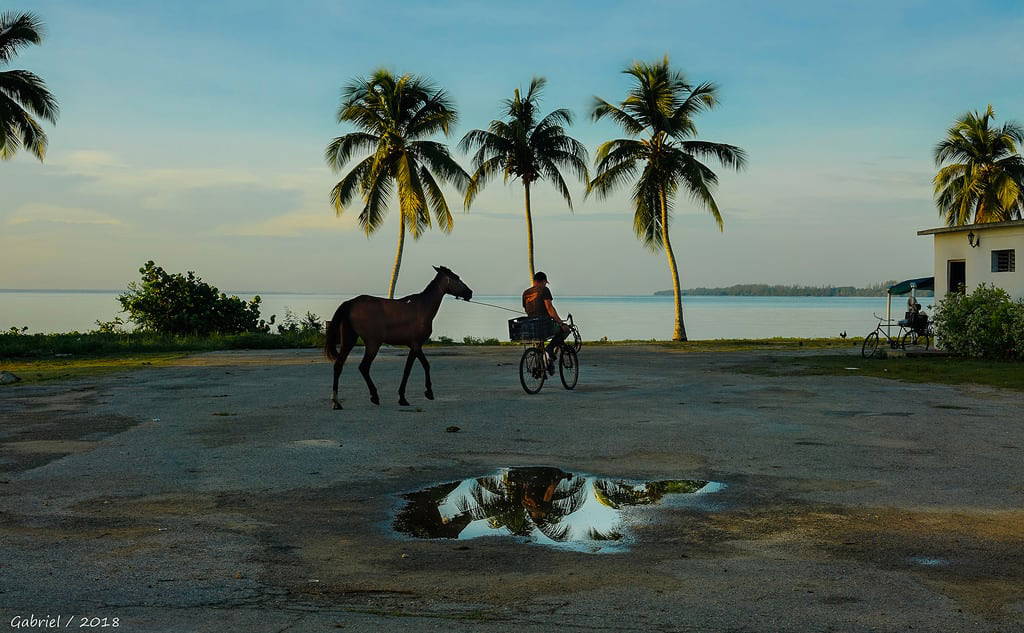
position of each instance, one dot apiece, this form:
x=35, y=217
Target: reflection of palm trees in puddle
x=545, y=505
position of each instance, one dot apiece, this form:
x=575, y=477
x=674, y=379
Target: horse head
x=453, y=285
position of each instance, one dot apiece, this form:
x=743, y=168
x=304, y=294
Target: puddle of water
x=541, y=505
x=928, y=561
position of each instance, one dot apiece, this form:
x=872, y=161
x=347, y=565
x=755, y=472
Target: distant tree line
x=779, y=290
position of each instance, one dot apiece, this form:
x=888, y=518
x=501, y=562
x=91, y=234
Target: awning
x=922, y=283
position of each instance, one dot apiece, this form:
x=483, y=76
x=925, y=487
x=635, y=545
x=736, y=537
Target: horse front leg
x=405, y=378
x=364, y=369
x=429, y=393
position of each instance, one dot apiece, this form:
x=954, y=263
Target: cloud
x=291, y=225
x=55, y=214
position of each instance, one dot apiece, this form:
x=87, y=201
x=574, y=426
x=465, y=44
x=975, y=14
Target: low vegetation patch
x=746, y=344
x=39, y=370
x=92, y=344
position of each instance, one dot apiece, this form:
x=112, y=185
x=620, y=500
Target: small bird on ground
x=842, y=334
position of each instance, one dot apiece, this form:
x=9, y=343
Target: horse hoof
x=429, y=395
x=374, y=399
x=336, y=406
x=402, y=402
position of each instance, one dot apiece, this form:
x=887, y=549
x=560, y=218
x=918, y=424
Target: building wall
x=978, y=260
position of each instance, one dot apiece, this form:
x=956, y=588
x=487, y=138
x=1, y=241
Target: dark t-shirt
x=533, y=301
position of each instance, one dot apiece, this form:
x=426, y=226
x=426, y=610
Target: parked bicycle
x=910, y=332
x=536, y=364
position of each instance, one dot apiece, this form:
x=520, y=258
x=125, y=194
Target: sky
x=192, y=133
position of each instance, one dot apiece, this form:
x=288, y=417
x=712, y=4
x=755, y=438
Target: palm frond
x=412, y=200
x=550, y=171
x=483, y=174
x=700, y=184
x=602, y=109
x=19, y=130
x=436, y=156
x=728, y=155
x=30, y=91
x=442, y=213
x=341, y=148
x=377, y=191
x=607, y=180
x=18, y=30
x=347, y=188
x=614, y=152
x=647, y=221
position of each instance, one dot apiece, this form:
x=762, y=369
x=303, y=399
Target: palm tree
x=984, y=178
x=23, y=95
x=396, y=116
x=526, y=147
x=661, y=107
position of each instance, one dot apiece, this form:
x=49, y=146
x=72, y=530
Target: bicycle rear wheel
x=568, y=367
x=909, y=339
x=532, y=370
x=870, y=346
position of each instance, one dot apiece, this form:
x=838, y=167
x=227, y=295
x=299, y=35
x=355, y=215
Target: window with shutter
x=1003, y=261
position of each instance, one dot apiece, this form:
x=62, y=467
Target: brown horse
x=405, y=321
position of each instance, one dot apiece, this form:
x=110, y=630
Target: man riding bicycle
x=537, y=303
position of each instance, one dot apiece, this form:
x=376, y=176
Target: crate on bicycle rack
x=530, y=328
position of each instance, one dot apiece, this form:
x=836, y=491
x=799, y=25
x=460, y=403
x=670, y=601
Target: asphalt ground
x=224, y=494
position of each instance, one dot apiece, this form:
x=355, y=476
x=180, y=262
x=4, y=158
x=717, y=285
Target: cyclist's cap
x=539, y=276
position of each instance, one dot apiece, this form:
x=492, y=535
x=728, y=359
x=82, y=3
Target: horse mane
x=433, y=285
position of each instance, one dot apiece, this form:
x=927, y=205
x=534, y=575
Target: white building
x=966, y=256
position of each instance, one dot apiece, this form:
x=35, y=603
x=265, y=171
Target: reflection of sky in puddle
x=929, y=561
x=542, y=505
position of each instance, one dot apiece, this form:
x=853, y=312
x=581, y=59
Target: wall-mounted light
x=973, y=240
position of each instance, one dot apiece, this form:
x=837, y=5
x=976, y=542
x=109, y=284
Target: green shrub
x=291, y=324
x=986, y=323
x=185, y=304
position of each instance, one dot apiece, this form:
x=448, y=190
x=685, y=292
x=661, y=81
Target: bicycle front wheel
x=568, y=367
x=532, y=370
x=870, y=346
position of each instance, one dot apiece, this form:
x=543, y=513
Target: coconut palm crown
x=526, y=146
x=662, y=156
x=23, y=95
x=981, y=175
x=396, y=116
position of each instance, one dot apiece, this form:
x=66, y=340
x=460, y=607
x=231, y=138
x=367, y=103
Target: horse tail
x=339, y=321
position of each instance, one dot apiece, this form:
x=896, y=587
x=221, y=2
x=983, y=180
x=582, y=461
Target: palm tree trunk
x=529, y=230
x=679, y=332
x=398, y=256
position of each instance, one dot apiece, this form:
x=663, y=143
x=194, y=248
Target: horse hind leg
x=405, y=378
x=346, y=347
x=364, y=369
x=429, y=393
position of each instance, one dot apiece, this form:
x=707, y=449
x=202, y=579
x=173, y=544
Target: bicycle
x=907, y=335
x=536, y=364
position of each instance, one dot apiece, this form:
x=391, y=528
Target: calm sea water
x=617, y=318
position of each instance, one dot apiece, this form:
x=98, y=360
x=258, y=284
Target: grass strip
x=942, y=370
